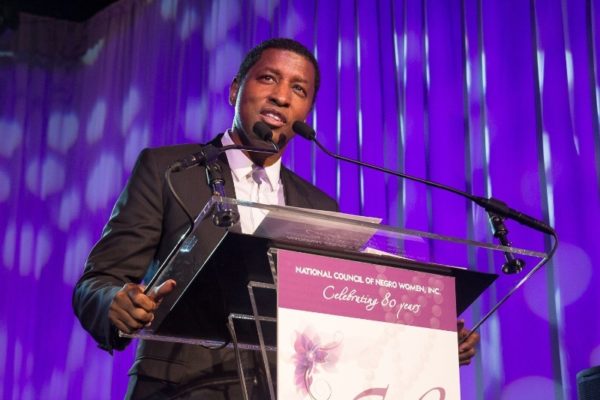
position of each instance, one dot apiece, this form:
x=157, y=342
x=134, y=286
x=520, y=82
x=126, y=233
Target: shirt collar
x=241, y=165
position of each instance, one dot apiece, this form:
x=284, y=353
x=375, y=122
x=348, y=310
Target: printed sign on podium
x=353, y=330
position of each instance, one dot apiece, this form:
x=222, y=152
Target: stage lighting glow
x=265, y=8
x=523, y=388
x=168, y=9
x=195, y=118
x=595, y=356
x=91, y=55
x=99, y=369
x=189, y=23
x=540, y=68
x=62, y=131
x=293, y=24
x=96, y=122
x=9, y=246
x=12, y=135
x=43, y=248
x=104, y=182
x=76, y=253
x=45, y=178
x=221, y=116
x=69, y=209
x=224, y=66
x=4, y=185
x=138, y=139
x=26, y=249
x=131, y=107
x=223, y=16
x=573, y=271
x=77, y=343
x=3, y=352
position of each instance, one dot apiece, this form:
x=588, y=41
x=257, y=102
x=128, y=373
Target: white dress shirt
x=253, y=183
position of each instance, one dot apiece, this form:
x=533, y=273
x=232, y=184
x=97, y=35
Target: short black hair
x=292, y=45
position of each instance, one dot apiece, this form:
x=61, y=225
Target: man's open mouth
x=273, y=118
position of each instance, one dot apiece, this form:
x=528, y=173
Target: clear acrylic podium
x=226, y=287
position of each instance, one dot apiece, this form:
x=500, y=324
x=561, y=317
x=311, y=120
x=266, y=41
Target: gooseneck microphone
x=207, y=157
x=210, y=153
x=491, y=205
x=496, y=209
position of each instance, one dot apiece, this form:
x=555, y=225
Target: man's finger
x=123, y=320
x=162, y=290
x=140, y=300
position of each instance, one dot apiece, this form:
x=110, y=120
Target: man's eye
x=267, y=78
x=300, y=90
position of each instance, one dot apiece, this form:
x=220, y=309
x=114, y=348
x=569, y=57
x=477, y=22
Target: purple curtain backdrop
x=497, y=98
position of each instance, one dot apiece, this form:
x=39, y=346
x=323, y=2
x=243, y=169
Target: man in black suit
x=277, y=83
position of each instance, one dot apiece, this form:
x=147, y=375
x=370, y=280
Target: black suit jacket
x=144, y=226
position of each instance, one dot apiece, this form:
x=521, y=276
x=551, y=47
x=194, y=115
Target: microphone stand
x=496, y=209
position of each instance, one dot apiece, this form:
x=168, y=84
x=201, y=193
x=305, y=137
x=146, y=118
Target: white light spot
x=56, y=388
x=293, y=24
x=76, y=253
x=597, y=101
x=189, y=23
x=223, y=66
x=168, y=9
x=95, y=126
x=99, y=368
x=17, y=360
x=46, y=178
x=43, y=248
x=70, y=206
x=576, y=144
x=347, y=52
x=3, y=349
x=9, y=246
x=264, y=9
x=12, y=135
x=4, y=185
x=358, y=56
x=541, y=68
x=573, y=271
x=62, y=131
x=136, y=141
x=103, y=183
x=77, y=345
x=223, y=16
x=130, y=109
x=195, y=118
x=26, y=249
x=569, y=65
x=595, y=356
x=92, y=54
x=221, y=116
x=523, y=388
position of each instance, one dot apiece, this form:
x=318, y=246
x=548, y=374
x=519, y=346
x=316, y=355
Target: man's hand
x=466, y=350
x=131, y=309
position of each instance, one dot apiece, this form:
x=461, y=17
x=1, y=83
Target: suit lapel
x=290, y=189
x=222, y=160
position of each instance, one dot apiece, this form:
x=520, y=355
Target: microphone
x=210, y=153
x=490, y=205
x=263, y=131
x=493, y=206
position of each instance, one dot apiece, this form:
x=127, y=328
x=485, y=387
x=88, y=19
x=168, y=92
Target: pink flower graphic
x=310, y=357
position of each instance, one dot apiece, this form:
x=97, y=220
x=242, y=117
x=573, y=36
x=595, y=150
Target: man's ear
x=233, y=91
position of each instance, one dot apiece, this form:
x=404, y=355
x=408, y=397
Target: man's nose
x=280, y=95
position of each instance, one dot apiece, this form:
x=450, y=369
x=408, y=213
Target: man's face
x=278, y=90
